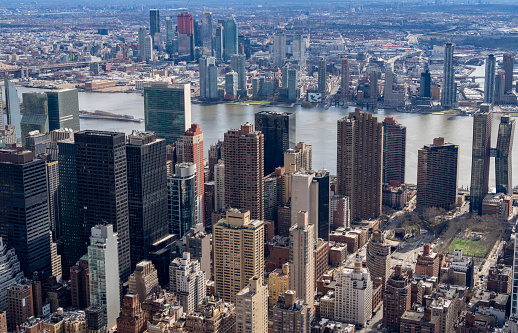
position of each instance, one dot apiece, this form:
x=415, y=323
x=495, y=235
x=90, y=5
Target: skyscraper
x=102, y=189
x=252, y=307
x=503, y=161
x=208, y=78
x=167, y=109
x=359, y=163
x=346, y=78
x=322, y=77
x=181, y=200
x=187, y=281
x=169, y=35
x=425, y=84
x=480, y=157
x=154, y=22
x=238, y=65
x=279, y=48
x=12, y=101
x=244, y=165
x=302, y=260
x=35, y=115
x=24, y=218
x=63, y=109
x=389, y=84
x=437, y=175
x=508, y=64
x=378, y=256
x=489, y=83
x=103, y=266
x=231, y=85
x=230, y=42
x=394, y=151
x=322, y=178
x=238, y=252
x=132, y=319
x=279, y=133
x=142, y=34
x=190, y=149
x=219, y=186
x=218, y=40
x=298, y=44
x=185, y=23
x=144, y=280
x=396, y=299
x=449, y=87
x=147, y=193
x=292, y=84
x=206, y=32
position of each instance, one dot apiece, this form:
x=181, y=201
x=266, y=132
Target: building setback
x=252, y=307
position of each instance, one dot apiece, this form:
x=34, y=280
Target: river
x=316, y=127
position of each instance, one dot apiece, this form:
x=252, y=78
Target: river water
x=316, y=127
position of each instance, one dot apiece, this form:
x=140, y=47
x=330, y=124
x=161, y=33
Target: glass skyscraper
x=35, y=114
x=231, y=41
x=14, y=116
x=154, y=21
x=182, y=199
x=63, y=108
x=503, y=162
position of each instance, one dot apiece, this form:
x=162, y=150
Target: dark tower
x=394, y=150
x=480, y=157
x=154, y=22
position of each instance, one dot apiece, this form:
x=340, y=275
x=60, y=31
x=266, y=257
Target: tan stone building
x=252, y=308
x=144, y=280
x=291, y=314
x=278, y=283
x=378, y=257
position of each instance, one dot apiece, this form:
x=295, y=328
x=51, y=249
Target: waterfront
x=314, y=126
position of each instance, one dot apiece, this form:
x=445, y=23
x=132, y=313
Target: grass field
x=469, y=248
x=451, y=111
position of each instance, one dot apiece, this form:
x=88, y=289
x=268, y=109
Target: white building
x=103, y=265
x=187, y=280
x=10, y=272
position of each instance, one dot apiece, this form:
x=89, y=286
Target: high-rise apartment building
x=425, y=84
x=291, y=314
x=300, y=156
x=148, y=48
x=10, y=272
x=187, y=281
x=238, y=252
x=279, y=130
x=12, y=101
x=230, y=38
x=206, y=32
x=345, y=78
x=449, y=87
x=181, y=198
x=169, y=35
x=322, y=77
x=231, y=85
x=102, y=188
x=503, y=160
x=359, y=163
x=437, y=170
x=147, y=193
x=132, y=318
x=298, y=45
x=24, y=211
x=208, y=78
x=154, y=22
x=80, y=284
x=63, y=106
x=103, y=266
x=244, y=170
x=489, y=83
x=20, y=304
x=35, y=115
x=279, y=48
x=378, y=256
x=302, y=260
x=508, y=64
x=218, y=42
x=185, y=23
x=278, y=284
x=219, y=186
x=396, y=299
x=167, y=109
x=394, y=151
x=252, y=307
x=144, y=280
x=353, y=295
x=238, y=65
x=142, y=34
x=480, y=157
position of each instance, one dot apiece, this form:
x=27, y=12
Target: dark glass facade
x=480, y=159
x=322, y=178
x=182, y=199
x=35, y=114
x=503, y=163
x=63, y=109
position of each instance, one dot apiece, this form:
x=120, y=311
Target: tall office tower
x=437, y=175
x=24, y=217
x=10, y=272
x=219, y=186
x=244, y=165
x=218, y=42
x=238, y=244
x=394, y=151
x=167, y=109
x=198, y=243
x=206, y=32
x=449, y=88
x=142, y=34
x=480, y=157
x=425, y=84
x=148, y=48
x=302, y=260
x=508, y=64
x=102, y=189
x=301, y=156
x=169, y=35
x=63, y=106
x=185, y=23
x=231, y=85
x=144, y=280
x=238, y=65
x=304, y=197
x=489, y=84
x=279, y=130
x=499, y=86
x=322, y=77
x=154, y=22
x=359, y=163
x=291, y=314
x=373, y=84
x=503, y=161
x=322, y=179
x=187, y=281
x=103, y=265
x=132, y=318
x=208, y=78
x=378, y=257
x=252, y=307
x=35, y=115
x=181, y=198
x=53, y=198
x=396, y=299
x=346, y=78
x=279, y=48
x=12, y=102
x=230, y=42
x=19, y=304
x=389, y=84
x=80, y=284
x=298, y=44
x=147, y=193
x=353, y=295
